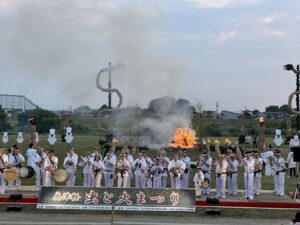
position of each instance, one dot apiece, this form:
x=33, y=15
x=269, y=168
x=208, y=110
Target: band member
x=109, y=173
x=148, y=177
x=279, y=167
x=123, y=165
x=185, y=176
x=70, y=164
x=156, y=171
x=95, y=152
x=130, y=159
x=176, y=168
x=16, y=160
x=198, y=179
x=3, y=166
x=291, y=164
x=140, y=167
x=165, y=163
x=258, y=164
x=73, y=153
x=232, y=172
x=86, y=164
x=205, y=163
x=51, y=164
x=98, y=168
x=39, y=159
x=148, y=160
x=30, y=154
x=221, y=171
x=248, y=164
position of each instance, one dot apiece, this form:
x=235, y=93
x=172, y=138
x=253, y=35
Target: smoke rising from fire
x=66, y=43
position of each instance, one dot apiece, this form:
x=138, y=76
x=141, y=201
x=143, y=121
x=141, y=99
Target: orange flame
x=184, y=138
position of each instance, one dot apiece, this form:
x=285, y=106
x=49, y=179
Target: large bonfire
x=184, y=138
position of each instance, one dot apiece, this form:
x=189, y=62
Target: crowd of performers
x=152, y=172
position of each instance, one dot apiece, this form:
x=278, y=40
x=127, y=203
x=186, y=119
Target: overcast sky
x=231, y=51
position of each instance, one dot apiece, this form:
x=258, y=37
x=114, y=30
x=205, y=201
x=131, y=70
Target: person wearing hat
x=232, y=169
x=122, y=165
x=165, y=162
x=185, y=177
x=86, y=164
x=198, y=179
x=3, y=166
x=109, y=162
x=16, y=160
x=258, y=164
x=140, y=167
x=70, y=164
x=221, y=174
x=130, y=159
x=50, y=164
x=98, y=168
x=279, y=167
x=248, y=164
x=156, y=171
x=205, y=163
x=176, y=168
x=39, y=158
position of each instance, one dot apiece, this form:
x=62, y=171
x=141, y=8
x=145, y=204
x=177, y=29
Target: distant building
x=209, y=114
x=226, y=115
x=274, y=115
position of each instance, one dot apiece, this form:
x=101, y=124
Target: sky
x=230, y=51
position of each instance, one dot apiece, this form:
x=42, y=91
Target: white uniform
x=140, y=166
x=86, y=164
x=98, y=168
x=290, y=160
x=176, y=168
x=198, y=179
x=279, y=166
x=123, y=167
x=39, y=168
x=3, y=164
x=232, y=176
x=164, y=175
x=269, y=170
x=130, y=159
x=70, y=164
x=257, y=176
x=53, y=164
x=248, y=177
x=15, y=161
x=156, y=171
x=185, y=176
x=221, y=170
x=148, y=178
x=30, y=154
x=206, y=169
x=109, y=170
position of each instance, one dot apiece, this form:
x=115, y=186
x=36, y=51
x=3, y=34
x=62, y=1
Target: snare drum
x=206, y=183
x=60, y=175
x=26, y=172
x=11, y=174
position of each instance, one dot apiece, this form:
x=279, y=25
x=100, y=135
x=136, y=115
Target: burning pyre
x=184, y=138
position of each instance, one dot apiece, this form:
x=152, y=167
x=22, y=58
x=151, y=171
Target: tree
x=4, y=125
x=45, y=119
x=284, y=108
x=272, y=108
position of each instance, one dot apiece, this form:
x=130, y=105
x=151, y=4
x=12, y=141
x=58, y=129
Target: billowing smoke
x=66, y=43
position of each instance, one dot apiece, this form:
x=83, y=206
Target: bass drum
x=60, y=175
x=206, y=183
x=11, y=174
x=26, y=172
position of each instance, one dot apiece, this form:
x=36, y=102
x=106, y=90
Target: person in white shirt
x=156, y=171
x=86, y=164
x=3, y=166
x=198, y=179
x=122, y=165
x=291, y=164
x=258, y=164
x=70, y=164
x=205, y=163
x=148, y=175
x=185, y=177
x=16, y=160
x=39, y=159
x=176, y=168
x=98, y=168
x=30, y=154
x=130, y=159
x=165, y=163
x=248, y=164
x=95, y=152
x=232, y=171
x=279, y=167
x=221, y=174
x=50, y=165
x=140, y=167
x=109, y=162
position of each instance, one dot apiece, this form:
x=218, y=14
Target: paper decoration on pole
x=69, y=137
x=20, y=138
x=278, y=138
x=5, y=137
x=52, y=139
x=294, y=142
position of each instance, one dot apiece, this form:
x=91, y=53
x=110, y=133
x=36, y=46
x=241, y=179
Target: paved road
x=23, y=218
